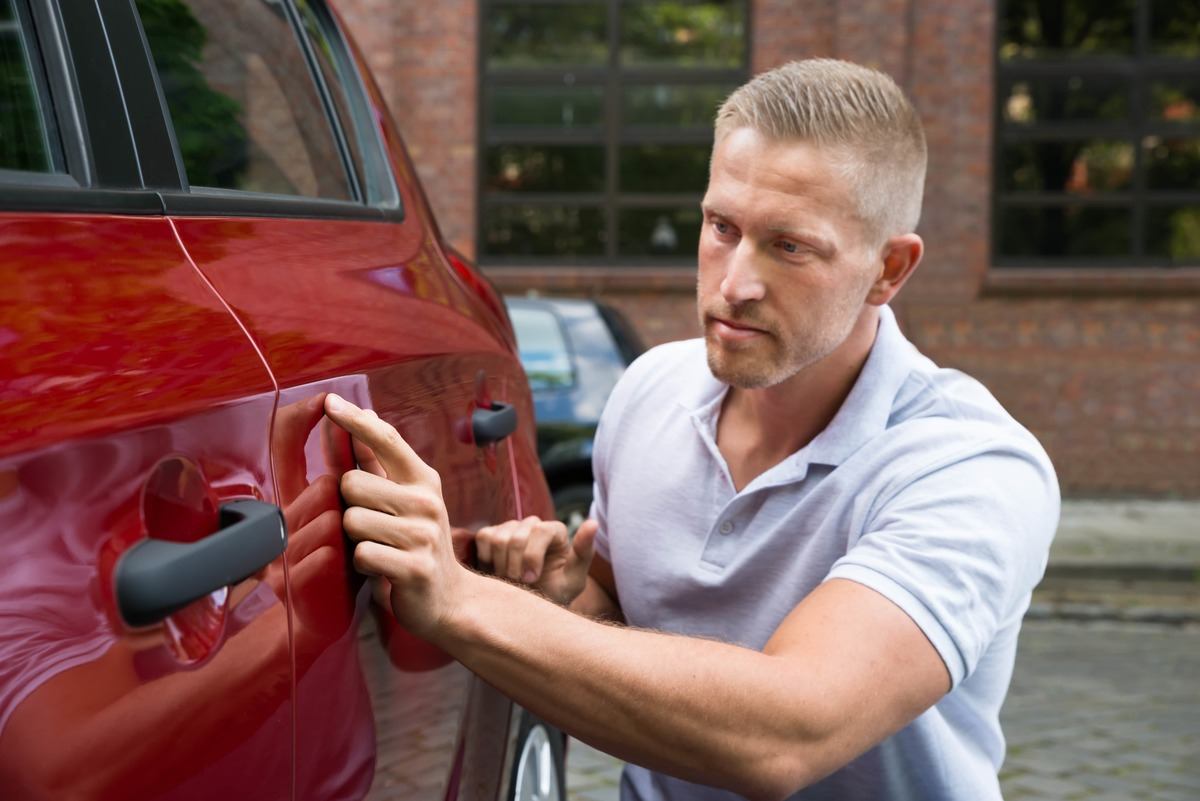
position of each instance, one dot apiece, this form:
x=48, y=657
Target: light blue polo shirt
x=922, y=488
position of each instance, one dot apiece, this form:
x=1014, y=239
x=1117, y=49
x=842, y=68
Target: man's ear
x=898, y=257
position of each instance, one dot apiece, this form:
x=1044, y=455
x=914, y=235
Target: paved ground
x=1128, y=534
x=1097, y=710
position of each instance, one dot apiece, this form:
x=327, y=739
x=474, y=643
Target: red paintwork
x=119, y=360
x=153, y=368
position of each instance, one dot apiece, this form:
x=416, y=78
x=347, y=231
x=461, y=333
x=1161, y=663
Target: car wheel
x=538, y=771
x=572, y=504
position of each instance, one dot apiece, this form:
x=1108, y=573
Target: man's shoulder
x=944, y=424
x=674, y=370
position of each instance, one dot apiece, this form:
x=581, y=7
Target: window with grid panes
x=596, y=126
x=1098, y=133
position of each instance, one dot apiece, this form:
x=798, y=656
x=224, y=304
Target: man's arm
x=846, y=668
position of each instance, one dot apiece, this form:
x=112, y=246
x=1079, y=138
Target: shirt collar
x=863, y=415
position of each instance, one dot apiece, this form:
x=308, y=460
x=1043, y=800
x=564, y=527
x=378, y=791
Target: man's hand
x=399, y=522
x=539, y=553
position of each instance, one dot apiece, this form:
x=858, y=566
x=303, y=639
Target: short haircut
x=859, y=113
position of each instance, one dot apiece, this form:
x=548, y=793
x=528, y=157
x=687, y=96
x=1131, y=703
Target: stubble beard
x=772, y=358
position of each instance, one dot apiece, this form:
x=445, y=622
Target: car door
x=144, y=648
x=302, y=211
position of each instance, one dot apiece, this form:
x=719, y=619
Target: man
x=822, y=545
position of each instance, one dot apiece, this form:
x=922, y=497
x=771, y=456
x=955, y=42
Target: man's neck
x=758, y=428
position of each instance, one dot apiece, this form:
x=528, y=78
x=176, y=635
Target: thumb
x=583, y=546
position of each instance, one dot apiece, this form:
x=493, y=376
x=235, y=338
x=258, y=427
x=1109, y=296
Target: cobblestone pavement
x=1097, y=710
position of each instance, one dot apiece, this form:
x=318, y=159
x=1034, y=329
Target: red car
x=207, y=222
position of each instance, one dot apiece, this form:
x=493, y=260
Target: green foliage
x=207, y=122
x=22, y=133
x=685, y=34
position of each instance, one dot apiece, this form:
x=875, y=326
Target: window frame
x=182, y=199
x=1140, y=68
x=116, y=133
x=611, y=135
x=91, y=179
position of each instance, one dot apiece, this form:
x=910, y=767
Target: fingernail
x=529, y=577
x=335, y=404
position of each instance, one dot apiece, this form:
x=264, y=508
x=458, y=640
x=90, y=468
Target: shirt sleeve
x=960, y=547
x=600, y=485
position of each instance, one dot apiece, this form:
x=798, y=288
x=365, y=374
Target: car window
x=345, y=89
x=246, y=112
x=542, y=347
x=27, y=140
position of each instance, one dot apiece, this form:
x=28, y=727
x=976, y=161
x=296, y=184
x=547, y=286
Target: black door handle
x=155, y=577
x=494, y=424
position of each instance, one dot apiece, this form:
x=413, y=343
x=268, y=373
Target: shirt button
x=726, y=527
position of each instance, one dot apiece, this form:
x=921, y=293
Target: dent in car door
x=132, y=408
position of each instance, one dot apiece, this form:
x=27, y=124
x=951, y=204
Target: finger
x=517, y=543
x=398, y=533
x=360, y=488
x=548, y=536
x=490, y=538
x=366, y=458
x=373, y=559
x=583, y=546
x=399, y=461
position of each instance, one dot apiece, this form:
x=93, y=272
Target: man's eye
x=789, y=247
x=720, y=227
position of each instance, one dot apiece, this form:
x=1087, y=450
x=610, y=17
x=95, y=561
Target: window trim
x=88, y=184
x=610, y=134
x=1139, y=68
x=184, y=200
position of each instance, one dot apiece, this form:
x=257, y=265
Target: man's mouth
x=733, y=330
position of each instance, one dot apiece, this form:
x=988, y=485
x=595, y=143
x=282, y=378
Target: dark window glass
x=1175, y=28
x=1065, y=231
x=1066, y=28
x=685, y=34
x=25, y=133
x=1074, y=98
x=687, y=105
x=243, y=103
x=597, y=125
x=1172, y=163
x=1173, y=232
x=544, y=231
x=551, y=168
x=664, y=168
x=659, y=231
x=546, y=107
x=1074, y=166
x=542, y=348
x=1097, y=132
x=1175, y=100
x=354, y=112
x=540, y=34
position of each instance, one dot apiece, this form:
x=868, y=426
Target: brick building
x=1092, y=342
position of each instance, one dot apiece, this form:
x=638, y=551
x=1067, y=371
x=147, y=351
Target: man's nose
x=742, y=282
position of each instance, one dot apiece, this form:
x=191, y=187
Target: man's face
x=785, y=264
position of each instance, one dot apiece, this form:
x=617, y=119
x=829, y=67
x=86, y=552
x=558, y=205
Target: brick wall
x=1103, y=366
x=424, y=56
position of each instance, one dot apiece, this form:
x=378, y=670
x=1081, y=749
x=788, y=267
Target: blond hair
x=857, y=112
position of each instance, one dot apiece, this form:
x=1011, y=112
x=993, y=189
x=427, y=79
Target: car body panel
x=372, y=311
x=173, y=355
x=132, y=406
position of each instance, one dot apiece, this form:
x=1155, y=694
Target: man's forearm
x=702, y=710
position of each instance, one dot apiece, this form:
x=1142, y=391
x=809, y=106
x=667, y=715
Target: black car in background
x=573, y=352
